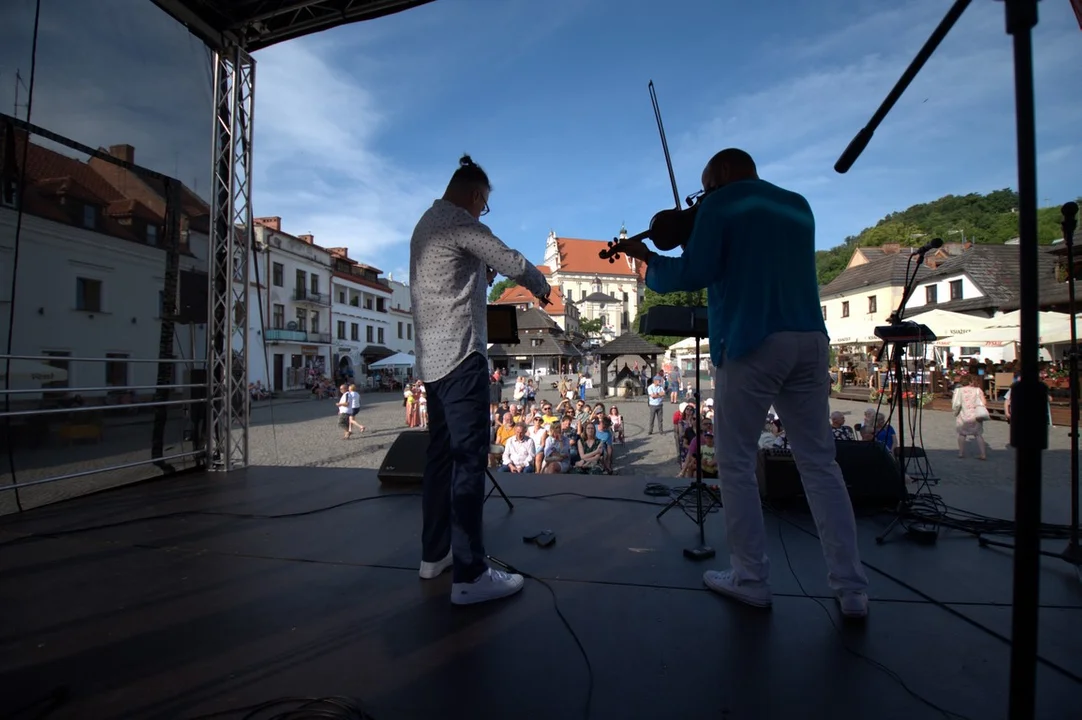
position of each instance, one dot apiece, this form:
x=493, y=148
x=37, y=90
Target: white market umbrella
x=396, y=360
x=32, y=371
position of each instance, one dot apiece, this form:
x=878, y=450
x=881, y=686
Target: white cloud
x=316, y=160
x=952, y=131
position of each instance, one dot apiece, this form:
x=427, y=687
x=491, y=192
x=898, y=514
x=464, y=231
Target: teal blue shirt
x=753, y=249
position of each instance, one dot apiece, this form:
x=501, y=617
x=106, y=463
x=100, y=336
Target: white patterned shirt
x=450, y=253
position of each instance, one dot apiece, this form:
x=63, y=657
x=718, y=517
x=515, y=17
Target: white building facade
x=611, y=292
x=363, y=322
x=290, y=342
x=401, y=310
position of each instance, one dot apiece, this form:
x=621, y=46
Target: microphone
x=932, y=244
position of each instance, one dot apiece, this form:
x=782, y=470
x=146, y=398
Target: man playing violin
x=452, y=259
x=770, y=345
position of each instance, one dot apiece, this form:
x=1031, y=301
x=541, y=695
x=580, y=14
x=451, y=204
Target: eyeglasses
x=485, y=211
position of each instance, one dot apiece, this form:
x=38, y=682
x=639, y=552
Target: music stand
x=672, y=320
x=502, y=321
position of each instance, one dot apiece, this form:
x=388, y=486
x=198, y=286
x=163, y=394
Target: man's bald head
x=728, y=166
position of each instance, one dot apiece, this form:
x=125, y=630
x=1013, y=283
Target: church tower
x=552, y=252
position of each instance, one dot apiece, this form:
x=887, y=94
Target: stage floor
x=199, y=612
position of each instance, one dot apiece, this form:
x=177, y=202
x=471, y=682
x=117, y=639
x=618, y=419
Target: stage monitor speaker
x=193, y=299
x=404, y=463
x=870, y=473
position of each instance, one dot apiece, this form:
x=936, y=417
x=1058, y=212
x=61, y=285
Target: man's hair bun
x=466, y=161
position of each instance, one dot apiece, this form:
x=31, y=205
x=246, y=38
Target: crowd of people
x=532, y=436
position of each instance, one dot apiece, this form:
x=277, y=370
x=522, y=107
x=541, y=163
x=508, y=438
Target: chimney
x=271, y=223
x=892, y=248
x=310, y=239
x=123, y=152
x=338, y=252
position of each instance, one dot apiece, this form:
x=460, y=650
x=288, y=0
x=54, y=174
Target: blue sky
x=357, y=129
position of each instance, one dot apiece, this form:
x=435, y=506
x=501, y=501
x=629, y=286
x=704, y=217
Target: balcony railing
x=278, y=335
x=304, y=295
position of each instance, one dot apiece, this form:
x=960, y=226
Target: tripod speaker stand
x=672, y=320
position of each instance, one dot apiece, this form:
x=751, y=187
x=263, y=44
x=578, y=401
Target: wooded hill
x=977, y=218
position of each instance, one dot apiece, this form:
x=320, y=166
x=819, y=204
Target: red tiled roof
x=545, y=270
x=518, y=295
x=581, y=256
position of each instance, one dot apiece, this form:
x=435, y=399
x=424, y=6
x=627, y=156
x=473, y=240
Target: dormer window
x=90, y=217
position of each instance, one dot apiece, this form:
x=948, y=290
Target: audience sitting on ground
x=519, y=453
x=710, y=462
x=591, y=453
x=839, y=428
x=617, y=421
x=557, y=454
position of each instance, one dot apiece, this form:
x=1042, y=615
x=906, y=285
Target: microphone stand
x=898, y=384
x=1029, y=396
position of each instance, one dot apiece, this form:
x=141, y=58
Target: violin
x=669, y=229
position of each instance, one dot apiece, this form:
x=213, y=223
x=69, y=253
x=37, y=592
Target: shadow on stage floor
x=215, y=605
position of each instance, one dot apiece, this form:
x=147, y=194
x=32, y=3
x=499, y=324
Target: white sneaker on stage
x=724, y=582
x=491, y=585
x=430, y=570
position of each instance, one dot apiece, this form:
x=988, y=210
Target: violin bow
x=664, y=142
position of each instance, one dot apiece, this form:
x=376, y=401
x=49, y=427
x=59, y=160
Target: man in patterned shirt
x=453, y=258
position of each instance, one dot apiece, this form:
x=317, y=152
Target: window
x=845, y=309
x=63, y=365
x=570, y=295
x=90, y=217
x=302, y=319
x=278, y=317
x=315, y=322
x=956, y=289
x=381, y=304
x=625, y=297
x=340, y=329
x=116, y=370
x=930, y=294
x=152, y=234
x=409, y=331
x=354, y=332
x=380, y=338
x=300, y=283
x=872, y=304
x=399, y=329
x=824, y=309
x=367, y=302
x=342, y=296
x=604, y=321
x=88, y=294
x=278, y=275
x=314, y=284
x=368, y=333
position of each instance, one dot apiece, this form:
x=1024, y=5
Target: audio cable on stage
x=991, y=522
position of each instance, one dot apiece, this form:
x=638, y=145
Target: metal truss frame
x=231, y=239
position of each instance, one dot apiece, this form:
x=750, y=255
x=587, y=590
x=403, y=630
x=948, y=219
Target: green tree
x=590, y=327
x=498, y=288
x=976, y=218
x=695, y=298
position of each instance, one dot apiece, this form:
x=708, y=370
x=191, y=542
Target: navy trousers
x=454, y=479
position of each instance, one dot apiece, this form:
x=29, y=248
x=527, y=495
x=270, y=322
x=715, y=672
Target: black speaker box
x=404, y=463
x=871, y=475
x=193, y=298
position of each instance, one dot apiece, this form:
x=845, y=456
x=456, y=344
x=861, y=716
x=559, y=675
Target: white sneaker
x=430, y=570
x=491, y=585
x=853, y=604
x=725, y=583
